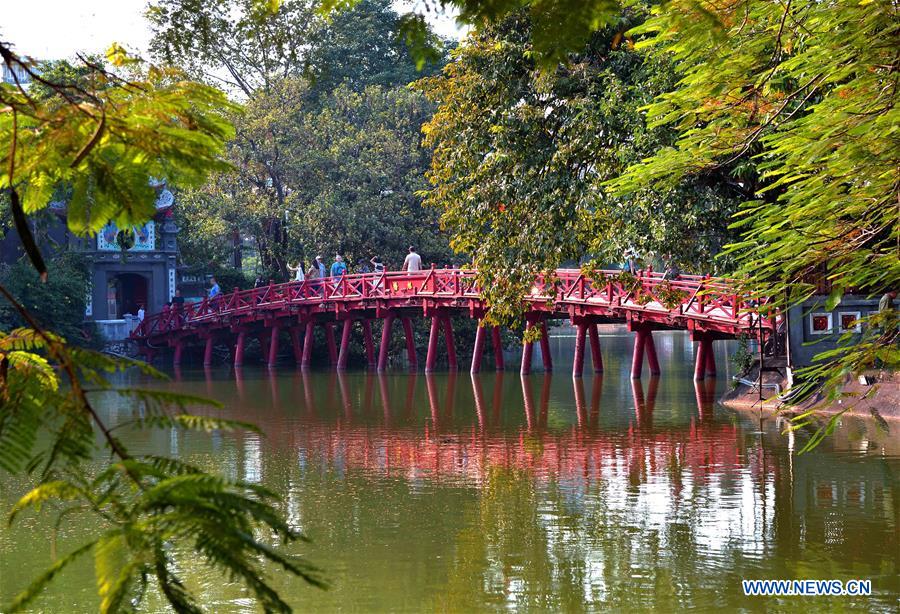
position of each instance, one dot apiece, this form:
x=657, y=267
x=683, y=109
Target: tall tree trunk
x=237, y=253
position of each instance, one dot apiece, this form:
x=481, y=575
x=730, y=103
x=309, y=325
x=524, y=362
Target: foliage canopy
x=103, y=138
x=521, y=157
x=326, y=158
x=793, y=104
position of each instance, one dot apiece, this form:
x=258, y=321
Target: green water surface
x=464, y=494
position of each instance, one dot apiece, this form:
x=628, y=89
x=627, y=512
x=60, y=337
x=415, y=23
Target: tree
x=103, y=142
x=794, y=103
x=59, y=302
x=363, y=165
x=804, y=94
x=364, y=46
x=301, y=138
x=522, y=155
x=245, y=44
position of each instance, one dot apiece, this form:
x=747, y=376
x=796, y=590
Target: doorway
x=130, y=294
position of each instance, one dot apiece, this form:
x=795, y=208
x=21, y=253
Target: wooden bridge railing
x=689, y=296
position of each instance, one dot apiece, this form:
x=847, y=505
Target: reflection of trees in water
x=473, y=502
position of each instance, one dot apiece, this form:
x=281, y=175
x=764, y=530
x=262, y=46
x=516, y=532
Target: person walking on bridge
x=315, y=275
x=339, y=267
x=320, y=266
x=672, y=271
x=299, y=275
x=214, y=289
x=378, y=269
x=413, y=261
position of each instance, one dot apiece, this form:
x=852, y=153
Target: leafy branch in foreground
x=800, y=99
x=785, y=112
x=149, y=508
x=104, y=138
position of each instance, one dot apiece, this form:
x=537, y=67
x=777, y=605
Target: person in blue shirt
x=339, y=267
x=214, y=289
x=323, y=272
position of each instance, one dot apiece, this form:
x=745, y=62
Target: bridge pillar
x=295, y=344
x=208, y=351
x=545, y=348
x=308, y=337
x=410, y=343
x=368, y=342
x=450, y=342
x=329, y=340
x=527, y=352
x=478, y=349
x=710, y=358
x=431, y=356
x=264, y=346
x=273, y=347
x=239, y=348
x=176, y=357
x=700, y=359
x=385, y=342
x=344, y=354
x=652, y=360
x=643, y=342
x=580, y=337
x=596, y=355
x=637, y=356
x=497, y=343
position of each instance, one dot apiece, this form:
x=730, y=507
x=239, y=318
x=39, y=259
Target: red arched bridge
x=709, y=308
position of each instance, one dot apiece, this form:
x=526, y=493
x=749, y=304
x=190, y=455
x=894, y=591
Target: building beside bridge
x=129, y=268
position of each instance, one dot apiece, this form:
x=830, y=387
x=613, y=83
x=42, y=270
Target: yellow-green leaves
x=56, y=490
x=796, y=102
x=103, y=138
x=114, y=567
x=118, y=56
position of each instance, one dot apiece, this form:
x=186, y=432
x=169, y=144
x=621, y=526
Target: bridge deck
x=709, y=308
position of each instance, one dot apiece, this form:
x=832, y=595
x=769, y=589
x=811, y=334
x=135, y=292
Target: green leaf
x=113, y=569
x=834, y=299
x=48, y=491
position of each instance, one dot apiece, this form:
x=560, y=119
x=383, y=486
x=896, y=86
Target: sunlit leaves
x=107, y=145
x=521, y=156
x=800, y=97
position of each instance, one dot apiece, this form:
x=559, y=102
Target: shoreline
x=879, y=401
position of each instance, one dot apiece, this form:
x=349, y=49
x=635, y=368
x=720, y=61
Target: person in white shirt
x=140, y=314
x=298, y=271
x=413, y=261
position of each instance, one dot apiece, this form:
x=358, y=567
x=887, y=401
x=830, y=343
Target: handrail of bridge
x=702, y=297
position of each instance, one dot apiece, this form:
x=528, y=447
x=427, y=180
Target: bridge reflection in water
x=553, y=492
x=375, y=436
x=459, y=492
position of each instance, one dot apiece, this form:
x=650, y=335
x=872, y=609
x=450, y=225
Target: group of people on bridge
x=317, y=271
x=339, y=268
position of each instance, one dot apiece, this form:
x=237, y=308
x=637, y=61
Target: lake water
x=491, y=493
